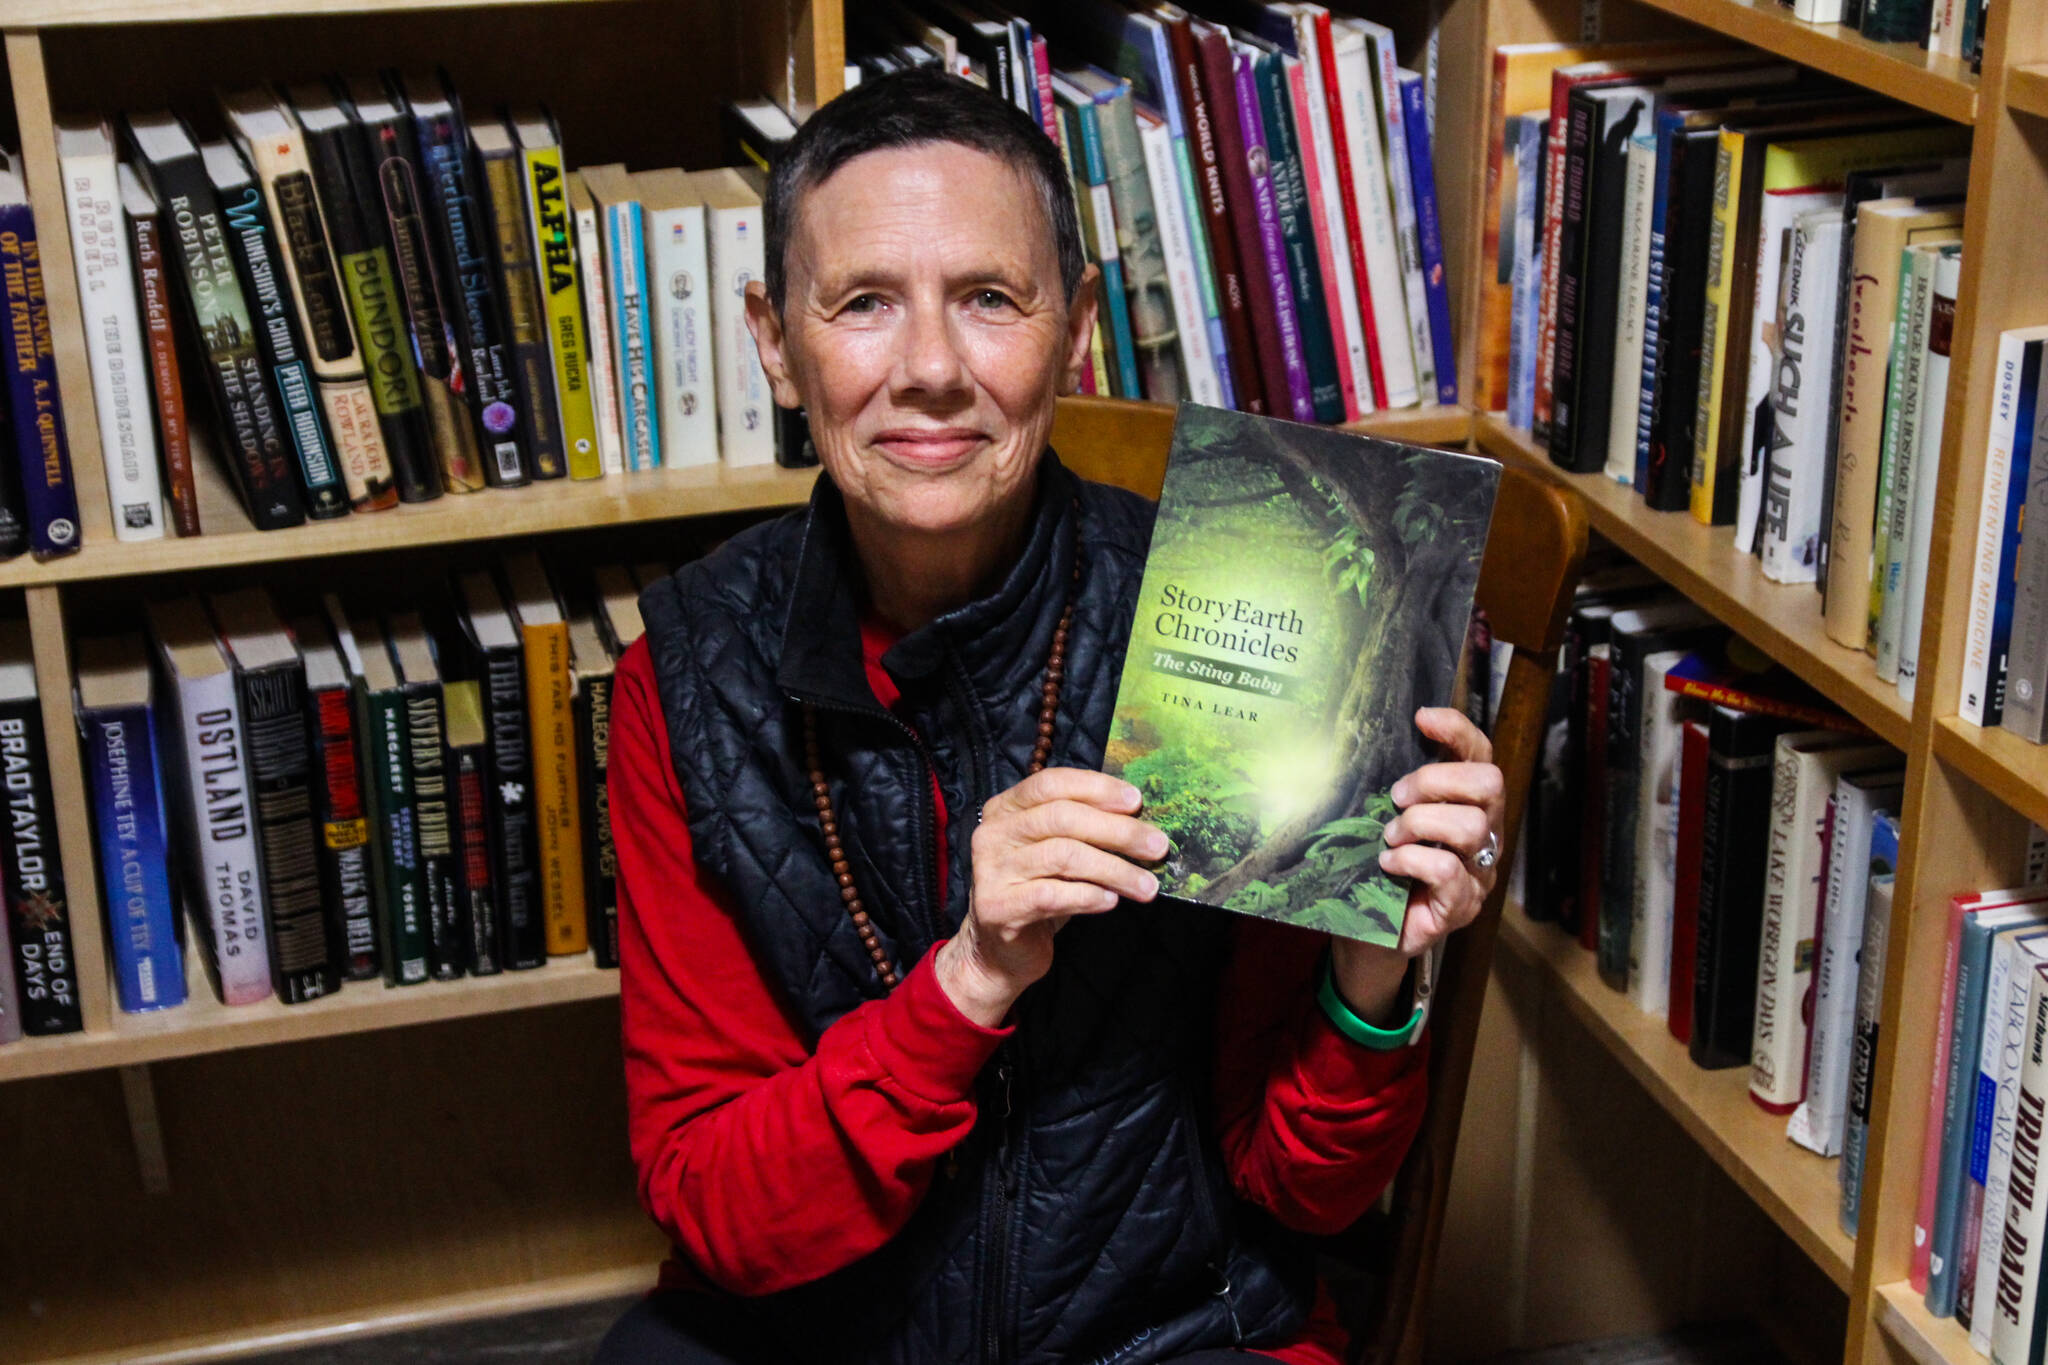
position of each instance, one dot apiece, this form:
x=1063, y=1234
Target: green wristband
x=1355, y=1028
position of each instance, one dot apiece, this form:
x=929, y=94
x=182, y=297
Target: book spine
x=1941, y=325
x=514, y=829
x=554, y=254
x=1555, y=181
x=1902, y=460
x=434, y=830
x=1198, y=361
x=1326, y=236
x=1970, y=1221
x=1777, y=542
x=1687, y=243
x=1618, y=837
x=604, y=386
x=1775, y=1041
x=1141, y=250
x=1857, y=446
x=273, y=705
x=1292, y=375
x=473, y=850
x=685, y=391
x=1656, y=844
x=10, y=1004
x=1526, y=271
x=467, y=255
x=600, y=854
x=227, y=881
x=2004, y=1044
x=43, y=461
x=1101, y=211
x=1205, y=139
x=1930, y=1145
x=1407, y=227
x=746, y=410
x=249, y=237
x=1556, y=377
x=1897, y=21
x=1041, y=86
x=1804, y=390
x=1430, y=241
x=1337, y=108
x=1497, y=301
x=1624, y=391
x=321, y=304
x=1193, y=214
x=626, y=264
x=1863, y=1055
x=166, y=381
x=1819, y=1121
x=1959, y=1113
x=1592, y=837
x=1984, y=566
x=368, y=280
x=1657, y=280
x=524, y=323
x=115, y=345
x=134, y=846
x=45, y=968
x=1303, y=273
x=2017, y=484
x=2019, y=1247
x=1376, y=216
x=1733, y=859
x=557, y=810
x=1687, y=879
x=344, y=835
x=1721, y=252
x=2022, y=707
x=394, y=838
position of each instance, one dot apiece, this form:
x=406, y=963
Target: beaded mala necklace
x=821, y=793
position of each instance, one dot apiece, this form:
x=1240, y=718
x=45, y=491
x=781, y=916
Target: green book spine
x=1896, y=21
x=394, y=835
x=1297, y=229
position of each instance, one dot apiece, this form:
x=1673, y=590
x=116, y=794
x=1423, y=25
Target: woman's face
x=925, y=330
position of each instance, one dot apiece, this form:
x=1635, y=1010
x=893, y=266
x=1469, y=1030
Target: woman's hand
x=1063, y=842
x=1455, y=805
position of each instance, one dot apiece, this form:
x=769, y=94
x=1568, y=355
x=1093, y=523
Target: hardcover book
x=34, y=410
x=462, y=705
x=491, y=654
x=554, y=249
x=144, y=223
x=436, y=843
x=338, y=803
x=45, y=969
x=1305, y=591
x=504, y=176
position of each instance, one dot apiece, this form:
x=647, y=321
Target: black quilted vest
x=1089, y=1217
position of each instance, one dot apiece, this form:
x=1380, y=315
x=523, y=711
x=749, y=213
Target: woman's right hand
x=1063, y=842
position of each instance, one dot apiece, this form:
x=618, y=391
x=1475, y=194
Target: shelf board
x=202, y=1024
x=64, y=13
x=1798, y=1190
x=1783, y=619
x=2026, y=89
x=1425, y=426
x=1903, y=71
x=2010, y=768
x=557, y=505
x=1902, y=1315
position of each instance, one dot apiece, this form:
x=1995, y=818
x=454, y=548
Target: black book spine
x=1571, y=248
x=251, y=426
x=600, y=855
x=523, y=321
x=515, y=838
x=447, y=936
x=466, y=249
x=13, y=501
x=1736, y=847
x=281, y=783
x=250, y=235
x=345, y=882
x=1549, y=817
x=1582, y=632
x=45, y=971
x=371, y=282
x=1678, y=363
x=1600, y=289
x=479, y=892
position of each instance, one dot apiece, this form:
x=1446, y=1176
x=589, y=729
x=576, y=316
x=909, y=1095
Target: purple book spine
x=1270, y=239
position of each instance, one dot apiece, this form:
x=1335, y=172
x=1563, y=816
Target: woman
x=918, y=1068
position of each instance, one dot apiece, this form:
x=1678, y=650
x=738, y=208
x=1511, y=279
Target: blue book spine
x=134, y=857
x=44, y=459
x=1435, y=285
x=1527, y=270
x=635, y=345
x=2009, y=552
x=1653, y=299
x=1112, y=266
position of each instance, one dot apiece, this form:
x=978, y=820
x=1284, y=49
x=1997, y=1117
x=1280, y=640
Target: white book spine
x=2012, y=350
x=1656, y=860
x=746, y=417
x=1817, y=11
x=604, y=379
x=1781, y=209
x=1909, y=356
x=1527, y=285
x=1190, y=326
x=1998, y=1069
x=1800, y=400
x=678, y=269
x=1626, y=390
x=2012, y=1307
x=1332, y=190
x=114, y=346
x=1941, y=315
x=222, y=829
x=1376, y=219
x=1407, y=228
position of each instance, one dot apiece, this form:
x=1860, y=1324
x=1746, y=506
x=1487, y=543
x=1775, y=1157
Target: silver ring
x=1487, y=856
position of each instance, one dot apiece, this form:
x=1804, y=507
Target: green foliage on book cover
x=1306, y=590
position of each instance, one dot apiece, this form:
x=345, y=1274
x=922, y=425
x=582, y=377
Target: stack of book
x=341, y=795
x=1733, y=289
x=384, y=300
x=1259, y=195
x=1944, y=27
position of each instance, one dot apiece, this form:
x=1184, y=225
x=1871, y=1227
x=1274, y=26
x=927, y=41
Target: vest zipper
x=1000, y=1224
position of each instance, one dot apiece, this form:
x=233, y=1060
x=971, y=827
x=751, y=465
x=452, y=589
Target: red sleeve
x=1313, y=1125
x=767, y=1165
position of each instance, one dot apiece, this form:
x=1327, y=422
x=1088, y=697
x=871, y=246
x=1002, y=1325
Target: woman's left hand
x=1449, y=812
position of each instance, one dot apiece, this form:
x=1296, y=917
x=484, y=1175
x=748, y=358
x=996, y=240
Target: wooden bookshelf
x=2026, y=89
x=1783, y=619
x=1925, y=1339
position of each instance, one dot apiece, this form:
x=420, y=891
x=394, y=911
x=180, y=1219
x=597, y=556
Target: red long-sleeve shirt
x=770, y=1165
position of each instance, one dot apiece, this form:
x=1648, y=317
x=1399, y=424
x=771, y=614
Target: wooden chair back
x=1533, y=555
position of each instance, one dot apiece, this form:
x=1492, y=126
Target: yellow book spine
x=1098, y=371
x=554, y=256
x=1706, y=433
x=550, y=714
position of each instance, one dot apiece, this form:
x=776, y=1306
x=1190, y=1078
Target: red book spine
x=1218, y=70
x=1595, y=819
x=1041, y=76
x=164, y=377
x=1340, y=147
x=1230, y=282
x=344, y=836
x=1692, y=846
x=476, y=844
x=1556, y=147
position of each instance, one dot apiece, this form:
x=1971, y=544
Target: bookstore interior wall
x=208, y=1176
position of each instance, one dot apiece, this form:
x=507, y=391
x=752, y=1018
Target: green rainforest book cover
x=1307, y=589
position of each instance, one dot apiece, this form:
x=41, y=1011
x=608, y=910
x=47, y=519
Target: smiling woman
x=857, y=792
